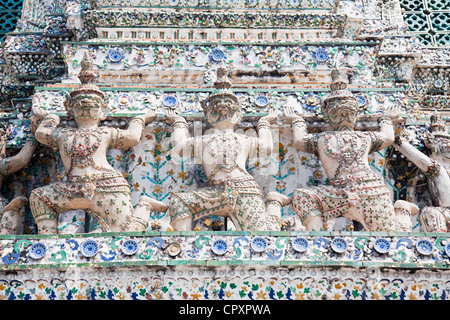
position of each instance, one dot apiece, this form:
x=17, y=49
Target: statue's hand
x=172, y=116
x=37, y=115
x=290, y=115
x=271, y=117
x=394, y=113
x=149, y=116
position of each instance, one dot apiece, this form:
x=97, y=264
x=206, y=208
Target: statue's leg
x=11, y=220
x=274, y=202
x=114, y=212
x=141, y=213
x=446, y=214
x=46, y=203
x=403, y=212
x=308, y=207
x=433, y=220
x=249, y=213
x=314, y=223
x=378, y=212
x=180, y=214
x=44, y=211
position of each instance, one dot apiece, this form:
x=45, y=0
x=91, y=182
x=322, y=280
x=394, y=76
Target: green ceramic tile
x=176, y=262
x=216, y=262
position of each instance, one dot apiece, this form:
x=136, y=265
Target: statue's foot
x=47, y=226
x=433, y=219
x=10, y=217
x=15, y=204
x=158, y=206
x=314, y=223
x=182, y=225
x=356, y=215
x=281, y=198
x=411, y=207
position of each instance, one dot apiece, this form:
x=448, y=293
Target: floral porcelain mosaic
x=229, y=248
x=227, y=265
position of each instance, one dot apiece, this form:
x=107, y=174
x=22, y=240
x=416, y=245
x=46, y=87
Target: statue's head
x=4, y=134
x=437, y=139
x=4, y=131
x=87, y=101
x=340, y=107
x=222, y=107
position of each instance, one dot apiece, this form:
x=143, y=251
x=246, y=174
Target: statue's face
x=4, y=133
x=225, y=110
x=445, y=147
x=439, y=144
x=341, y=113
x=88, y=107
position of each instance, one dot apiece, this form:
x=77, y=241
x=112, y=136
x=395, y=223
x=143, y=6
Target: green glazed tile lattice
x=10, y=12
x=429, y=20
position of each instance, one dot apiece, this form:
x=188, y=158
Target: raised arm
x=301, y=138
x=386, y=133
x=15, y=163
x=180, y=135
x=421, y=160
x=265, y=141
x=132, y=135
x=45, y=125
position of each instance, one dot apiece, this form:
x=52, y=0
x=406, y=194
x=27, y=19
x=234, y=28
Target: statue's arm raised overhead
x=265, y=143
x=131, y=136
x=301, y=138
x=180, y=135
x=386, y=133
x=16, y=162
x=433, y=140
x=421, y=160
x=46, y=132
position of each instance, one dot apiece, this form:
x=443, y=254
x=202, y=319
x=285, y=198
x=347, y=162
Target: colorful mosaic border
x=206, y=19
x=254, y=101
x=202, y=56
x=221, y=248
x=225, y=283
x=220, y=4
x=194, y=266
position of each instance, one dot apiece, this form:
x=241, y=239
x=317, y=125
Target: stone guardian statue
x=10, y=221
x=354, y=191
x=92, y=183
x=232, y=191
x=436, y=169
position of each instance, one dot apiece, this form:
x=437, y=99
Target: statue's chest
x=223, y=148
x=82, y=143
x=349, y=147
x=348, y=151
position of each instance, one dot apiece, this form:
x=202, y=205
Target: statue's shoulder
x=106, y=129
x=66, y=130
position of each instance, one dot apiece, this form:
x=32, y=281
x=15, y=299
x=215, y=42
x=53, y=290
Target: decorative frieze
x=363, y=249
x=249, y=63
x=212, y=19
x=231, y=282
x=132, y=100
x=224, y=4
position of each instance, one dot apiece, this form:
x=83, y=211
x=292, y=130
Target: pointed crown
x=222, y=89
x=338, y=86
x=86, y=76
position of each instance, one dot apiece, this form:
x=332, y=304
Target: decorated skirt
x=217, y=199
x=86, y=186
